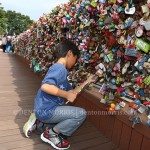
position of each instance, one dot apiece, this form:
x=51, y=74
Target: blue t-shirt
x=44, y=103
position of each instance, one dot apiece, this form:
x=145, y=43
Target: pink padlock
x=82, y=59
x=79, y=37
x=89, y=9
x=106, y=51
x=70, y=36
x=120, y=1
x=81, y=46
x=77, y=6
x=115, y=68
x=64, y=20
x=88, y=38
x=83, y=32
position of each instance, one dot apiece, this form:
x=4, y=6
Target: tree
x=3, y=21
x=17, y=22
x=13, y=22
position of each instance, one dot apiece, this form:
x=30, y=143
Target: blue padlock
x=87, y=3
x=33, y=62
x=100, y=23
x=68, y=17
x=113, y=81
x=86, y=58
x=142, y=60
x=141, y=92
x=73, y=8
x=128, y=22
x=137, y=102
x=102, y=1
x=148, y=122
x=120, y=9
x=114, y=49
x=81, y=6
x=109, y=70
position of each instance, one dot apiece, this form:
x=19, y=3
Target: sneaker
x=55, y=140
x=30, y=125
x=63, y=136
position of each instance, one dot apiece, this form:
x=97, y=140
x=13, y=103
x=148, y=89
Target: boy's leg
x=33, y=124
x=67, y=119
x=54, y=139
x=4, y=48
x=29, y=125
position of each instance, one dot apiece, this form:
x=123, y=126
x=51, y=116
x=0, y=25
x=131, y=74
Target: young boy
x=49, y=105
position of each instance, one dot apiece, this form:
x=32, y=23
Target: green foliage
x=13, y=22
x=3, y=20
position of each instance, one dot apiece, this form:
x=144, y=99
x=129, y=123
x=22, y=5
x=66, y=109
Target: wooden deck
x=18, y=86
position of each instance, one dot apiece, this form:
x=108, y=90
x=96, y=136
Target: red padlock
x=139, y=80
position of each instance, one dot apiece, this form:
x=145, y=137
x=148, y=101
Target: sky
x=32, y=8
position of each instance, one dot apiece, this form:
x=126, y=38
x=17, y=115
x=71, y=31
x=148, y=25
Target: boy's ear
x=69, y=53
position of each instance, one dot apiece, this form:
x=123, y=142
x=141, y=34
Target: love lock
x=122, y=40
x=145, y=10
x=147, y=80
x=109, y=57
x=139, y=31
x=147, y=25
x=144, y=46
x=130, y=8
x=112, y=1
x=146, y=65
x=136, y=120
x=124, y=69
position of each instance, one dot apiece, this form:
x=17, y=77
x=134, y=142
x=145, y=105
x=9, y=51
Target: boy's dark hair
x=63, y=47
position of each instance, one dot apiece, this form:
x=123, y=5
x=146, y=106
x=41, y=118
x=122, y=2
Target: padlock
x=130, y=8
x=142, y=45
x=136, y=120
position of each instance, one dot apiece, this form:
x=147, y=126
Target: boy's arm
x=69, y=95
x=53, y=90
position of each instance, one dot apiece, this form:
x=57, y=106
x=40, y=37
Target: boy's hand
x=78, y=89
x=71, y=96
x=91, y=78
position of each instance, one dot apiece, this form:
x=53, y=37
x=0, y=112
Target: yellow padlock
x=81, y=26
x=93, y=4
x=112, y=1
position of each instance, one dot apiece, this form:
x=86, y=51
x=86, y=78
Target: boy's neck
x=62, y=61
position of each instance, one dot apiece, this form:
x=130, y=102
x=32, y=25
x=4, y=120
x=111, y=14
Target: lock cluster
x=113, y=37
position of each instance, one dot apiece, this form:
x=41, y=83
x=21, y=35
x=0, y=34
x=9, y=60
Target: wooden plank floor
x=18, y=87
